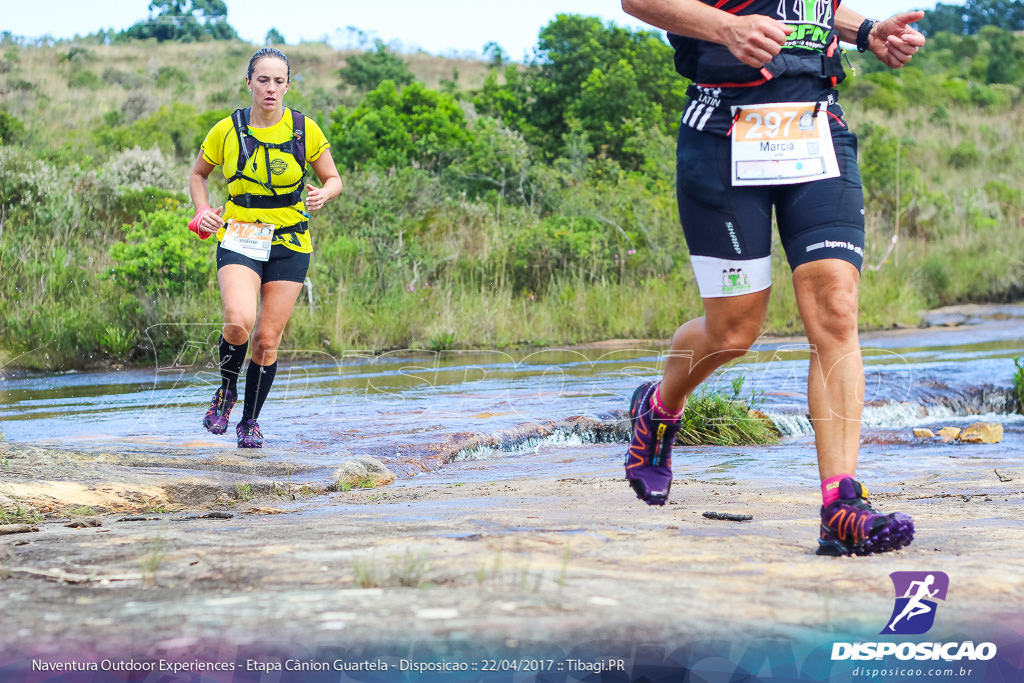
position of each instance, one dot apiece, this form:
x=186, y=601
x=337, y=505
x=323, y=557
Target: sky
x=440, y=27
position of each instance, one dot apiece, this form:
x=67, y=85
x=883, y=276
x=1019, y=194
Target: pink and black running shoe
x=216, y=419
x=850, y=526
x=649, y=458
x=249, y=435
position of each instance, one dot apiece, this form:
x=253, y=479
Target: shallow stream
x=485, y=415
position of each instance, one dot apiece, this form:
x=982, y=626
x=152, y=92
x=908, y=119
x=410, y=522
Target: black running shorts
x=284, y=263
x=729, y=229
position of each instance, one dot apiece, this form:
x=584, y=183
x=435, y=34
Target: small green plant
x=1018, y=383
x=20, y=515
x=409, y=570
x=345, y=486
x=243, y=491
x=563, y=575
x=117, y=341
x=80, y=511
x=366, y=483
x=442, y=341
x=712, y=418
x=151, y=556
x=368, y=574
x=737, y=386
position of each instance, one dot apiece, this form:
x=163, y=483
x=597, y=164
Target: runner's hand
x=893, y=41
x=754, y=38
x=211, y=221
x=315, y=198
x=210, y=226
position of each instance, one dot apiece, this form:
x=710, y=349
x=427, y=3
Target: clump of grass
x=442, y=341
x=563, y=575
x=80, y=511
x=243, y=491
x=117, y=341
x=409, y=570
x=715, y=419
x=368, y=574
x=20, y=515
x=151, y=556
x=518, y=573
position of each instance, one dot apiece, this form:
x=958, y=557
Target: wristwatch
x=862, y=34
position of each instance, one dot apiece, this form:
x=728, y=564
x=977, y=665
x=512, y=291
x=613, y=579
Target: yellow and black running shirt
x=220, y=148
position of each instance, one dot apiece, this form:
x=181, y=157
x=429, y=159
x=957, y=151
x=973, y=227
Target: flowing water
x=464, y=415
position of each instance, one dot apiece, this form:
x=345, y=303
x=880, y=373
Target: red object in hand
x=193, y=224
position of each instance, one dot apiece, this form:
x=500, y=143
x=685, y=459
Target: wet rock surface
x=169, y=558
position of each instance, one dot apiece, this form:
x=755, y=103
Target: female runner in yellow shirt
x=264, y=243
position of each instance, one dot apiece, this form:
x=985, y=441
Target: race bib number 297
x=784, y=143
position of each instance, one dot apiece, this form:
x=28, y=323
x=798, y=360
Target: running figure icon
x=915, y=606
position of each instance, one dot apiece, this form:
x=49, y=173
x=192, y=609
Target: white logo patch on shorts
x=717, y=277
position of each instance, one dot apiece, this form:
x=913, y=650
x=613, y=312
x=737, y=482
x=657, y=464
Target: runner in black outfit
x=763, y=131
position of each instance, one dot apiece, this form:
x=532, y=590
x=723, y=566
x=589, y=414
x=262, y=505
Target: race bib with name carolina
x=249, y=239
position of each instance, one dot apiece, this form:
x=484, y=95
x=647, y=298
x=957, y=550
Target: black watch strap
x=862, y=34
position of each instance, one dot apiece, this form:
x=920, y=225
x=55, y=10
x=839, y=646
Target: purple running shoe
x=850, y=526
x=649, y=458
x=216, y=419
x=249, y=435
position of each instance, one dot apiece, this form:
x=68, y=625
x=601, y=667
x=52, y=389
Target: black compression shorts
x=284, y=263
x=729, y=229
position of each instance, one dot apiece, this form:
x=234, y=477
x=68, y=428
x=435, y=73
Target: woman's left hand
x=894, y=41
x=315, y=198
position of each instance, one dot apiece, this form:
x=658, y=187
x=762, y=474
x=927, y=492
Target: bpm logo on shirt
x=916, y=595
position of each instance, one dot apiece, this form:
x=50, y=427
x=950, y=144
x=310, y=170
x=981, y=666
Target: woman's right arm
x=207, y=220
x=752, y=38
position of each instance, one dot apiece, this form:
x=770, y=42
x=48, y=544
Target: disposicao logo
x=916, y=593
x=914, y=614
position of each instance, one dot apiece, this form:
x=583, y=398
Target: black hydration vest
x=249, y=146
x=712, y=65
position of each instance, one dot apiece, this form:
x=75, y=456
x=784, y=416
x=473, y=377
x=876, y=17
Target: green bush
x=84, y=78
x=964, y=155
x=415, y=126
x=161, y=256
x=367, y=70
x=11, y=129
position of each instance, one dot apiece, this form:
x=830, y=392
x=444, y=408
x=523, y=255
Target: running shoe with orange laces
x=850, y=526
x=649, y=458
x=216, y=418
x=249, y=434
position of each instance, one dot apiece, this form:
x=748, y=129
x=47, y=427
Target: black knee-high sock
x=258, y=379
x=231, y=358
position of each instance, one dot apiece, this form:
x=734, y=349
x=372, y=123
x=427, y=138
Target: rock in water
x=362, y=472
x=982, y=432
x=922, y=433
